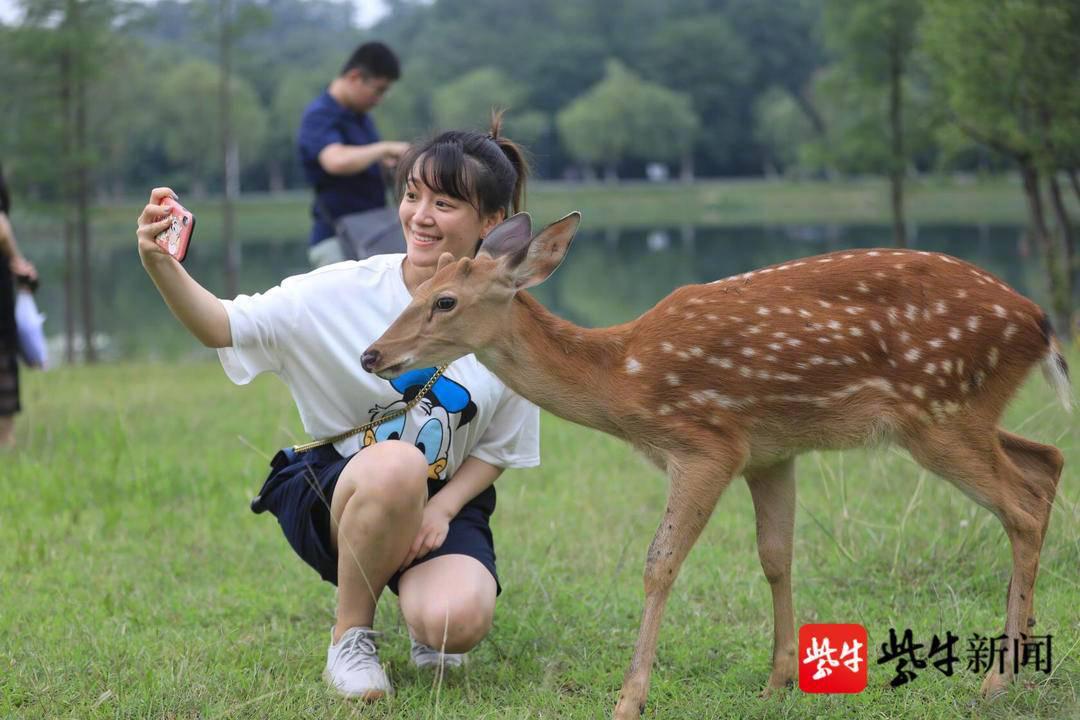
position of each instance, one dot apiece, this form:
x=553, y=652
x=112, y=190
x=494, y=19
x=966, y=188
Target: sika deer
x=741, y=375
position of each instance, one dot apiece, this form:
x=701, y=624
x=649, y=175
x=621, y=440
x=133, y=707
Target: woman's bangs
x=445, y=169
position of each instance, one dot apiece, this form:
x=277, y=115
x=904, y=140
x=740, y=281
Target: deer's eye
x=445, y=303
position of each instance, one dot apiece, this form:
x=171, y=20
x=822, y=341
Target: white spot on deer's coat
x=946, y=366
x=1010, y=330
x=666, y=346
x=961, y=294
x=784, y=310
x=672, y=379
x=912, y=355
x=696, y=351
x=794, y=342
x=776, y=347
x=875, y=326
x=664, y=410
x=940, y=308
x=825, y=260
x=1000, y=311
x=973, y=323
x=834, y=325
x=960, y=366
x=855, y=332
x=911, y=312
x=749, y=351
x=872, y=253
x=746, y=371
x=788, y=377
x=824, y=340
x=633, y=366
x=919, y=391
x=893, y=315
x=722, y=362
x=936, y=343
x=905, y=337
x=804, y=313
x=930, y=368
x=954, y=333
x=824, y=303
x=992, y=357
x=763, y=310
x=817, y=360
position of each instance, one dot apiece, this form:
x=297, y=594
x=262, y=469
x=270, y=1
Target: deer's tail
x=1055, y=368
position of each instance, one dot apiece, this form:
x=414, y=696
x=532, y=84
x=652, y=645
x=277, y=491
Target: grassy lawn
x=136, y=583
x=262, y=217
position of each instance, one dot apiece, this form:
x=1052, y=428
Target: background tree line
x=102, y=98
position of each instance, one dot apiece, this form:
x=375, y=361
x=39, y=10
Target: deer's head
x=467, y=303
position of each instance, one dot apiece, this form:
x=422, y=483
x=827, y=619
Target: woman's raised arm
x=194, y=306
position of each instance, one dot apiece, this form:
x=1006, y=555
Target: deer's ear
x=444, y=260
x=545, y=252
x=510, y=238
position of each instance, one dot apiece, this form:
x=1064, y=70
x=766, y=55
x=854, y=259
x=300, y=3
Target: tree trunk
x=65, y=188
x=228, y=155
x=276, y=176
x=686, y=167
x=896, y=127
x=82, y=203
x=1059, y=301
x=1068, y=243
x=1075, y=182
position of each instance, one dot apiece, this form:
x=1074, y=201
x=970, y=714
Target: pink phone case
x=176, y=238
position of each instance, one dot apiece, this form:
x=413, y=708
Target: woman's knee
x=391, y=473
x=460, y=623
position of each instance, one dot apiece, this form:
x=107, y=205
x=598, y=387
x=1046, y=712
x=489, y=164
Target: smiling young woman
x=407, y=504
x=453, y=190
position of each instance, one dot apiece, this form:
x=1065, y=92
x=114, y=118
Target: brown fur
x=742, y=375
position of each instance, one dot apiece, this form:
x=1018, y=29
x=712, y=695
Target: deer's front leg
x=695, y=488
x=773, y=492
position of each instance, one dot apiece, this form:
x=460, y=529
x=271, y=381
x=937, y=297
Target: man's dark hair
x=374, y=59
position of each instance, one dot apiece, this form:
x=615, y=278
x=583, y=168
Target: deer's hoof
x=994, y=685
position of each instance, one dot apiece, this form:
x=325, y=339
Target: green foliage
x=782, y=127
x=467, y=102
x=186, y=115
x=1009, y=73
x=623, y=116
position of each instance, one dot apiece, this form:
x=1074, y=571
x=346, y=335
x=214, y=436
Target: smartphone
x=176, y=238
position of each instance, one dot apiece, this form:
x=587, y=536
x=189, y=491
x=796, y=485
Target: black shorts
x=298, y=492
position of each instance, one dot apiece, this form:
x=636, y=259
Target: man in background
x=340, y=148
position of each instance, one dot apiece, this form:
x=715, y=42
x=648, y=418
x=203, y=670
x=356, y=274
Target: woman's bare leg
x=448, y=602
x=375, y=514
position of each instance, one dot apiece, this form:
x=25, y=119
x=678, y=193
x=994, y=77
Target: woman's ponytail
x=516, y=155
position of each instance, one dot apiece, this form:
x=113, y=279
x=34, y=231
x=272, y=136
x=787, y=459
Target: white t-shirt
x=312, y=330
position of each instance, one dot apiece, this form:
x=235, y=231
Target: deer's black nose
x=369, y=359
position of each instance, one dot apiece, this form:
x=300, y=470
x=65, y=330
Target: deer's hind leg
x=697, y=481
x=773, y=492
x=1041, y=466
x=978, y=460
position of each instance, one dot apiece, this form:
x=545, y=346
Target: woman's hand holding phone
x=165, y=227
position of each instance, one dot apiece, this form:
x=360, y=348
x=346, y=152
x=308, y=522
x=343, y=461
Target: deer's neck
x=566, y=369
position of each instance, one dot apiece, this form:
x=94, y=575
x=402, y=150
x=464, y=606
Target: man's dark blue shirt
x=324, y=122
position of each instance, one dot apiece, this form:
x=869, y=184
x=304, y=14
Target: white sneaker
x=428, y=657
x=352, y=665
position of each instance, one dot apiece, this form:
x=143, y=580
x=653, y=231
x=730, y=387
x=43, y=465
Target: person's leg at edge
x=448, y=602
x=7, y=431
x=375, y=514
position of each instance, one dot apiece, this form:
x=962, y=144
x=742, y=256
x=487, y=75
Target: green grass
x=136, y=583
x=261, y=217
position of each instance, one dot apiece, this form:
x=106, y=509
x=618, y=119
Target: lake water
x=608, y=277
